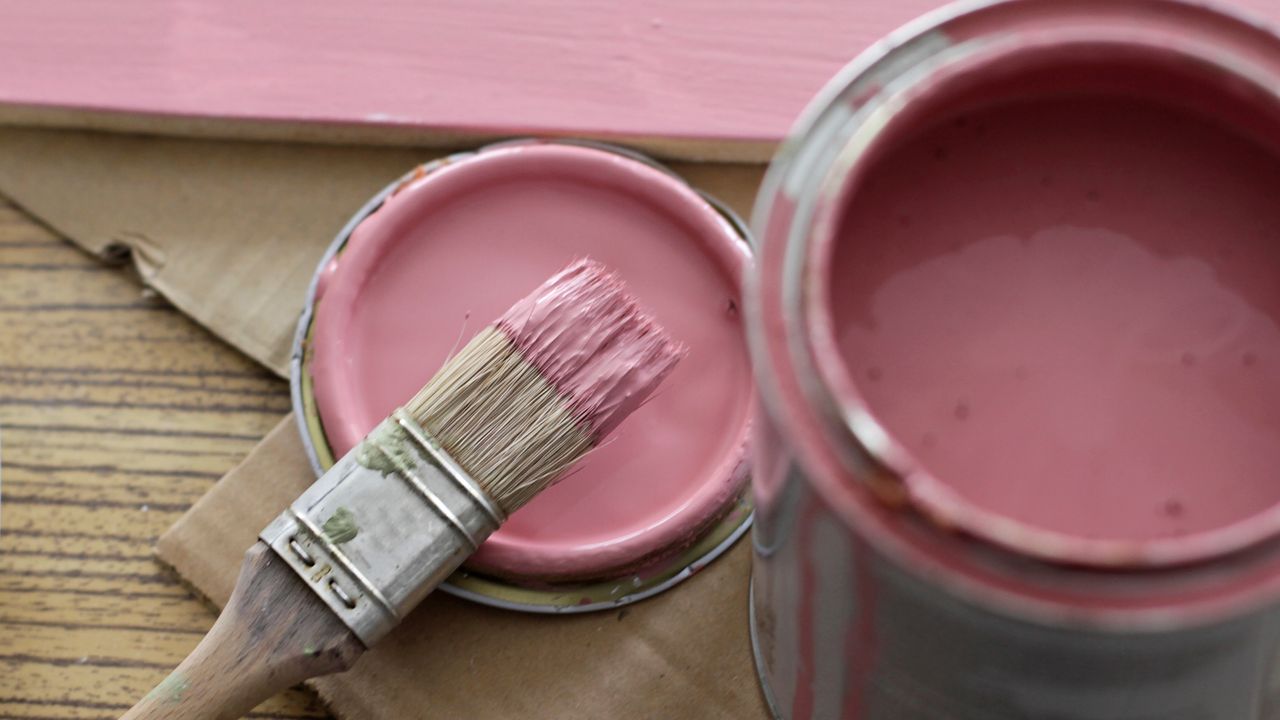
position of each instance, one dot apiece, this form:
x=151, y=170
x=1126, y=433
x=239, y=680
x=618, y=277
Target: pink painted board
x=689, y=71
x=711, y=78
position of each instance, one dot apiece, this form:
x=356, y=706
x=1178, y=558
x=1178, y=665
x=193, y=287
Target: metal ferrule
x=382, y=528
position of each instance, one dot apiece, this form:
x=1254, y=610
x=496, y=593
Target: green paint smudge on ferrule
x=385, y=449
x=341, y=526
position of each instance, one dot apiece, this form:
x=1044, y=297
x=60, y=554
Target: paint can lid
x=446, y=249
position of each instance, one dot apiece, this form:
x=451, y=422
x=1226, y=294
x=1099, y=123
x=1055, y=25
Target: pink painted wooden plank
x=737, y=71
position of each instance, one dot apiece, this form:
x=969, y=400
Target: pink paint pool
x=1057, y=294
x=451, y=250
x=1069, y=311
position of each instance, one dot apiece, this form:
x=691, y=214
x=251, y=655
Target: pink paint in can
x=1016, y=324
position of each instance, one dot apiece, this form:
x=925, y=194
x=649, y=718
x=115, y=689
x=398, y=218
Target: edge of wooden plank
x=375, y=134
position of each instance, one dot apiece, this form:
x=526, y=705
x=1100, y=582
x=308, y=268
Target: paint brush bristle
x=535, y=391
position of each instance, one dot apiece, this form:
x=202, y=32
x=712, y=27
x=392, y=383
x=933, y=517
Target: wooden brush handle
x=273, y=634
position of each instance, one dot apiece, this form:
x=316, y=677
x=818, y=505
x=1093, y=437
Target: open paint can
x=1016, y=325
x=442, y=252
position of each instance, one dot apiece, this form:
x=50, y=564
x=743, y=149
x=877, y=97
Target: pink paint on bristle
x=593, y=342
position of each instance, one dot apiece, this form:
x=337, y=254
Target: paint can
x=881, y=592
x=542, y=204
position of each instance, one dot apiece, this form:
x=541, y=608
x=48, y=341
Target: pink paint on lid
x=456, y=248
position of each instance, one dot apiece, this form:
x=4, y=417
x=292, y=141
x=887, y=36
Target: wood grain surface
x=116, y=413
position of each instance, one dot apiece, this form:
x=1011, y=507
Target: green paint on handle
x=170, y=689
x=341, y=526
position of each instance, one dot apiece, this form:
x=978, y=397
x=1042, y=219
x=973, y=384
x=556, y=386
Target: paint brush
x=500, y=422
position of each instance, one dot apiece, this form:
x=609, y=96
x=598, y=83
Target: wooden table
x=116, y=413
